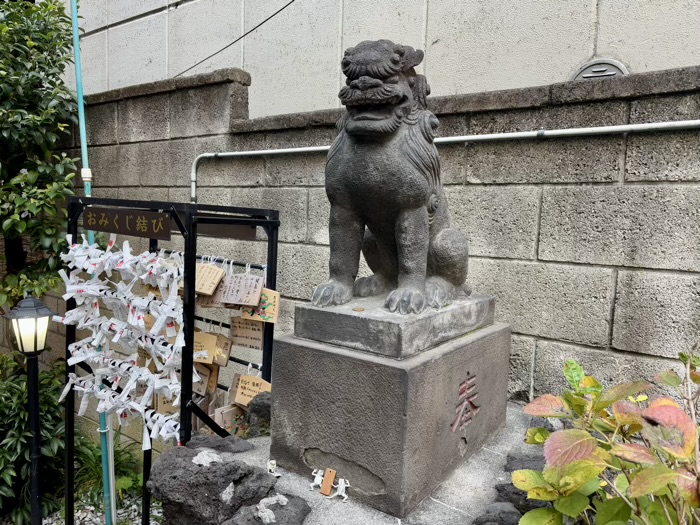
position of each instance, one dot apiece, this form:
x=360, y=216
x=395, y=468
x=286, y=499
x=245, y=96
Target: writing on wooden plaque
x=249, y=387
x=200, y=387
x=244, y=288
x=246, y=333
x=207, y=278
x=204, y=347
x=223, y=350
x=137, y=223
x=267, y=310
x=165, y=405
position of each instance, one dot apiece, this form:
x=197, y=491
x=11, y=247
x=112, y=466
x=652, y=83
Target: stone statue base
x=364, y=324
x=395, y=428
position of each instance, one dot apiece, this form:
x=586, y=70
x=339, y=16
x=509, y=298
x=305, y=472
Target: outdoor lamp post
x=30, y=323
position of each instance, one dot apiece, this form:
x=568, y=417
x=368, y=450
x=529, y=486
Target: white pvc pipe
x=487, y=137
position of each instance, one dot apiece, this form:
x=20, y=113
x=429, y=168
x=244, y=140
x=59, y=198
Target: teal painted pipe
x=79, y=83
x=87, y=182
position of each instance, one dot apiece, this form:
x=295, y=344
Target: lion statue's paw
x=370, y=286
x=439, y=292
x=330, y=293
x=406, y=301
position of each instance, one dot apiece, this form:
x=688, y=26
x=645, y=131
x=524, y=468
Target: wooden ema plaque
x=328, y=479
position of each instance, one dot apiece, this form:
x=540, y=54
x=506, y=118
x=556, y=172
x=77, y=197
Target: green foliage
x=14, y=287
x=619, y=457
x=88, y=476
x=36, y=107
x=15, y=438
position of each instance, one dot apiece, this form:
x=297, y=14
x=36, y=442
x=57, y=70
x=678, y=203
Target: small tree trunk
x=15, y=255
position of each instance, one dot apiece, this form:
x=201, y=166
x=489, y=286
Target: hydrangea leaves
x=618, y=456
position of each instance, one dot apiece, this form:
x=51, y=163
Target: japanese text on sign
x=138, y=223
x=245, y=288
x=246, y=333
x=466, y=407
x=207, y=278
x=249, y=387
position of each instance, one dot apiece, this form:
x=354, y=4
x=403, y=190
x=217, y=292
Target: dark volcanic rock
x=284, y=509
x=508, y=493
x=232, y=444
x=499, y=513
x=533, y=461
x=201, y=488
x=258, y=420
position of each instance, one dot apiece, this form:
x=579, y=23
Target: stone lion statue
x=383, y=184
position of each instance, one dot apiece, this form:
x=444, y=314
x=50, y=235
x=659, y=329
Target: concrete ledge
x=632, y=86
x=220, y=76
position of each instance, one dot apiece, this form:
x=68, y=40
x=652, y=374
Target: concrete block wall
x=589, y=244
x=472, y=46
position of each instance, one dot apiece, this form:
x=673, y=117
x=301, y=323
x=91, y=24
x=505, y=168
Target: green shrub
x=15, y=438
x=88, y=476
x=619, y=457
x=36, y=107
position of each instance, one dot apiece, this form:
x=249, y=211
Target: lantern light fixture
x=30, y=323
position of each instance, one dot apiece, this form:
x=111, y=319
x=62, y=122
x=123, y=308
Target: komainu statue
x=383, y=183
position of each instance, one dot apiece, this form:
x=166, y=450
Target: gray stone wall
x=589, y=244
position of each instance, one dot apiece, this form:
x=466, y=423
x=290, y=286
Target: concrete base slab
x=364, y=324
x=463, y=496
x=394, y=428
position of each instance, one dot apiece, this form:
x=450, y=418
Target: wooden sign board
x=205, y=342
x=207, y=278
x=213, y=378
x=249, y=387
x=246, y=333
x=328, y=479
x=243, y=288
x=234, y=387
x=231, y=419
x=137, y=223
x=267, y=310
x=200, y=387
x=223, y=350
x=165, y=405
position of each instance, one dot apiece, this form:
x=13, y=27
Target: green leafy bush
x=619, y=457
x=15, y=438
x=36, y=107
x=88, y=476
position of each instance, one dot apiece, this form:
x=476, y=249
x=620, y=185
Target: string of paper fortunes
x=152, y=324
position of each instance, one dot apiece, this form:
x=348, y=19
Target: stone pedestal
x=395, y=427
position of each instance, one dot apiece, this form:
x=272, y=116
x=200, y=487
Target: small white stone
x=227, y=494
x=206, y=458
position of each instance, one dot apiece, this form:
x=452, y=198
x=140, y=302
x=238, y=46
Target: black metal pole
x=35, y=429
x=269, y=330
x=188, y=311
x=69, y=403
x=146, y=496
x=147, y=454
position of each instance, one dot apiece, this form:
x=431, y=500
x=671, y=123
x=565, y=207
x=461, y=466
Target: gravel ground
x=128, y=513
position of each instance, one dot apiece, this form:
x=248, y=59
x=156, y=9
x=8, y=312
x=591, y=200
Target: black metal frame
x=187, y=218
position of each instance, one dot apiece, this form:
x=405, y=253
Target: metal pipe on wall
x=487, y=137
x=106, y=433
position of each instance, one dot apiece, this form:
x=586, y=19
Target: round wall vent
x=601, y=68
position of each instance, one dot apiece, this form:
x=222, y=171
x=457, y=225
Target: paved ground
x=461, y=498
